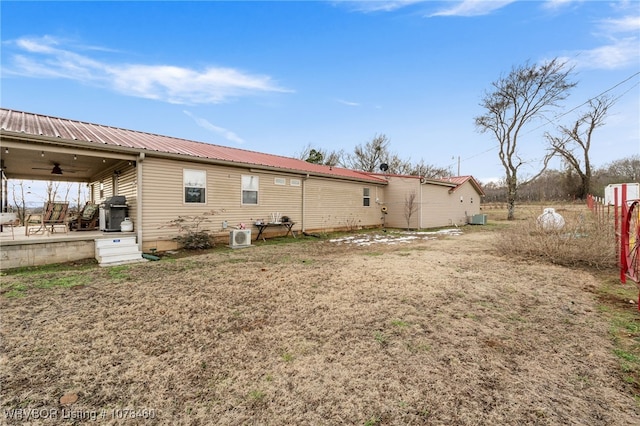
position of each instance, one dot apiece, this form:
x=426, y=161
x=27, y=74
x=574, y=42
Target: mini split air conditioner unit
x=239, y=238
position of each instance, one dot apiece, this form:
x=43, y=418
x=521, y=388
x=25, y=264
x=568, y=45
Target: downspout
x=304, y=193
x=139, y=198
x=420, y=185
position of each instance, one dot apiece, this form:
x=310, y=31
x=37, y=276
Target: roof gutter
x=7, y=141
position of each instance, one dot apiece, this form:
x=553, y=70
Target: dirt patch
x=430, y=331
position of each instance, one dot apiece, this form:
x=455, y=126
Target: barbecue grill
x=112, y=212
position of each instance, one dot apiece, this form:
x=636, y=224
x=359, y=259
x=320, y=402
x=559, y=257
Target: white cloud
x=225, y=133
x=472, y=8
x=377, y=5
x=557, y=4
x=348, y=103
x=44, y=58
x=619, y=54
x=620, y=49
x=621, y=25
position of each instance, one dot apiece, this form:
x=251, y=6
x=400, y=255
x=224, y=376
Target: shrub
x=584, y=241
x=199, y=240
x=191, y=235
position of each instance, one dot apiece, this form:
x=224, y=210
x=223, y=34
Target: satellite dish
x=384, y=167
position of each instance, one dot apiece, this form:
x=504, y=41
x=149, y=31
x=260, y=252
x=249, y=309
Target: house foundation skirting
x=45, y=253
x=18, y=250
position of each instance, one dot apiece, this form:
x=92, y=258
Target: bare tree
x=19, y=193
x=376, y=152
x=320, y=156
x=58, y=188
x=573, y=144
x=334, y=158
x=410, y=207
x=624, y=170
x=429, y=171
x=516, y=100
x=369, y=157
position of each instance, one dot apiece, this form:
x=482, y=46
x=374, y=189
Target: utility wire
x=564, y=114
x=589, y=100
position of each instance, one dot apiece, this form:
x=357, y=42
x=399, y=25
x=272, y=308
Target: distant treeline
x=558, y=185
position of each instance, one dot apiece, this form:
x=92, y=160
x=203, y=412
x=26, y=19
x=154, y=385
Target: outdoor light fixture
x=75, y=157
x=6, y=150
x=42, y=154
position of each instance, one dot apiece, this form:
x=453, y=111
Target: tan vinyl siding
x=126, y=185
x=163, y=199
x=332, y=204
x=399, y=188
x=444, y=208
x=438, y=205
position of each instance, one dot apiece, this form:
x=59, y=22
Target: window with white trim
x=366, y=199
x=294, y=182
x=279, y=181
x=250, y=185
x=195, y=186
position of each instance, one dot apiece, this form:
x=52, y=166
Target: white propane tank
x=126, y=225
x=549, y=220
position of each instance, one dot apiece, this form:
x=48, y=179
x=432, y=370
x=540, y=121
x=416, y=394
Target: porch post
x=139, y=198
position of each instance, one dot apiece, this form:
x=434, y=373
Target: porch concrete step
x=118, y=259
x=123, y=249
x=116, y=240
x=117, y=250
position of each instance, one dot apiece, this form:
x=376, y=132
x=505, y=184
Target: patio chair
x=87, y=219
x=8, y=219
x=54, y=214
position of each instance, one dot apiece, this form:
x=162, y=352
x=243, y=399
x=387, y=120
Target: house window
x=250, y=189
x=366, y=199
x=195, y=185
x=280, y=181
x=294, y=182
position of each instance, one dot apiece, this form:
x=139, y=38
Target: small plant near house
x=194, y=230
x=410, y=207
x=351, y=222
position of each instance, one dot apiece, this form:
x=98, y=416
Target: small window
x=294, y=182
x=280, y=181
x=195, y=183
x=366, y=200
x=250, y=189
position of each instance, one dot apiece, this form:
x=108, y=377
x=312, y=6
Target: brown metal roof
x=459, y=180
x=96, y=135
x=454, y=182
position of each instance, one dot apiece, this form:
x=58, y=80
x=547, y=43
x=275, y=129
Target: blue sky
x=278, y=76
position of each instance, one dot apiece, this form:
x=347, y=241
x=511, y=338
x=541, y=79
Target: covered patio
x=19, y=250
x=54, y=150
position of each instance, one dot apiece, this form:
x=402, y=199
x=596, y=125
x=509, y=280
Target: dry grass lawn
x=427, y=331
